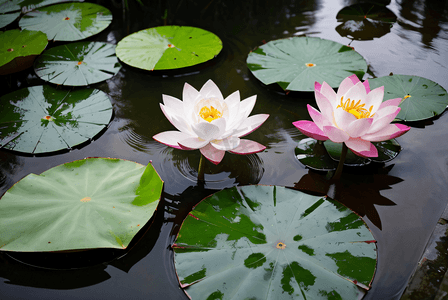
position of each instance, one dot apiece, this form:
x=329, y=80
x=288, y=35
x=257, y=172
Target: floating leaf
x=19, y=49
x=168, y=47
x=312, y=153
x=269, y=242
x=68, y=21
x=422, y=98
x=27, y=5
x=296, y=63
x=6, y=19
x=89, y=203
x=365, y=21
x=75, y=64
x=44, y=119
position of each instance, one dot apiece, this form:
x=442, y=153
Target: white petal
x=342, y=119
x=359, y=127
x=335, y=134
x=192, y=143
x=189, y=95
x=250, y=124
x=244, y=111
x=173, y=103
x=206, y=131
x=233, y=99
x=325, y=106
x=357, y=144
x=210, y=89
x=383, y=117
x=329, y=93
x=226, y=144
x=345, y=85
x=171, y=138
x=175, y=119
x=357, y=92
x=374, y=98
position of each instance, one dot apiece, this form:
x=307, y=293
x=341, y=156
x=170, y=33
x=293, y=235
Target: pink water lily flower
x=208, y=122
x=354, y=115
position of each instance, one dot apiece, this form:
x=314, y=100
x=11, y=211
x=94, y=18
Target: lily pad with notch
x=270, y=242
x=43, y=119
x=78, y=64
x=296, y=63
x=168, y=47
x=421, y=98
x=85, y=204
x=19, y=49
x=68, y=21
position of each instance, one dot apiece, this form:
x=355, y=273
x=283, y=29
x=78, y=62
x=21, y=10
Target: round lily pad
x=421, y=97
x=270, y=242
x=42, y=119
x=27, y=5
x=6, y=19
x=365, y=21
x=168, y=47
x=85, y=204
x=68, y=21
x=324, y=156
x=76, y=64
x=19, y=49
x=296, y=63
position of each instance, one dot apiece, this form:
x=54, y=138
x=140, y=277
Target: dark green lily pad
x=17, y=47
x=76, y=64
x=324, y=156
x=27, y=5
x=296, y=63
x=365, y=21
x=270, y=242
x=422, y=98
x=168, y=47
x=42, y=119
x=85, y=204
x=68, y=21
x=6, y=19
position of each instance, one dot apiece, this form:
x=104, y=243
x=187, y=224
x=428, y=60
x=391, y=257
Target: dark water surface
x=400, y=201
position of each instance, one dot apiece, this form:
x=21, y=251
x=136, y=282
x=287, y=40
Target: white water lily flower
x=208, y=122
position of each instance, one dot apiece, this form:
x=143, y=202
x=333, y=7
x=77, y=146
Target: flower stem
x=338, y=172
x=201, y=168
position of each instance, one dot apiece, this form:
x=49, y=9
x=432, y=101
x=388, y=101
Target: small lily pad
x=85, y=204
x=296, y=63
x=365, y=21
x=168, y=47
x=42, y=119
x=19, y=49
x=421, y=97
x=324, y=156
x=76, y=64
x=68, y=21
x=270, y=242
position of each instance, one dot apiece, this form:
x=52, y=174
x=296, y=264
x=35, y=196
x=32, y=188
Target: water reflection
x=357, y=189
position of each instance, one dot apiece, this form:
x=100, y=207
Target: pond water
x=400, y=201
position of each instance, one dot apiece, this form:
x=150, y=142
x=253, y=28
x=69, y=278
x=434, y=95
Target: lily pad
x=85, y=204
x=43, y=119
x=19, y=49
x=168, y=47
x=27, y=5
x=421, y=97
x=365, y=21
x=324, y=156
x=296, y=63
x=6, y=19
x=68, y=21
x=270, y=242
x=76, y=64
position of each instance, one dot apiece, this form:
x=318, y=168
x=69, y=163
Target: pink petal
x=366, y=85
x=390, y=131
x=383, y=117
x=191, y=143
x=189, y=95
x=345, y=85
x=325, y=105
x=329, y=93
x=372, y=152
x=335, y=134
x=374, y=98
x=343, y=119
x=210, y=90
x=359, y=127
x=403, y=129
x=226, y=144
x=357, y=92
x=251, y=124
x=310, y=129
x=248, y=147
x=391, y=102
x=317, y=86
x=171, y=138
x=212, y=154
x=316, y=116
x=358, y=144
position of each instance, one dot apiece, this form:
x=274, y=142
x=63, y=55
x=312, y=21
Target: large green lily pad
x=76, y=64
x=270, y=242
x=19, y=49
x=68, y=21
x=422, y=98
x=296, y=63
x=27, y=5
x=168, y=47
x=43, y=119
x=85, y=204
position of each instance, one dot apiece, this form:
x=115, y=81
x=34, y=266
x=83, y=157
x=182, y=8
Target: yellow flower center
x=209, y=113
x=280, y=245
x=407, y=96
x=357, y=109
